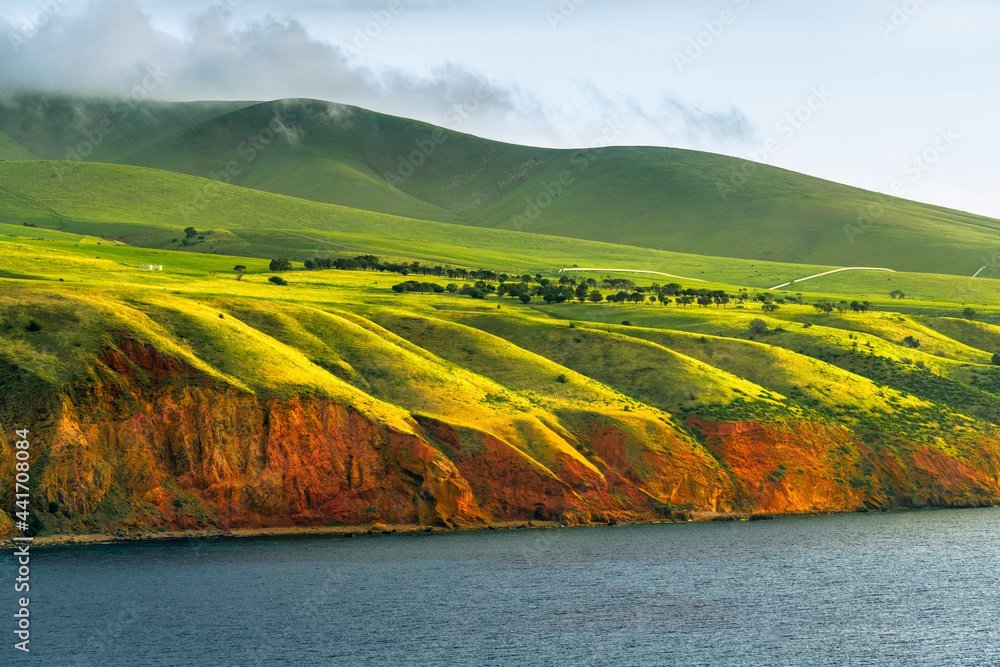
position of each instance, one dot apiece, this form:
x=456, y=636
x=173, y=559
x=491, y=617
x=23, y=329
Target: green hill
x=151, y=208
x=646, y=197
x=309, y=150
x=60, y=127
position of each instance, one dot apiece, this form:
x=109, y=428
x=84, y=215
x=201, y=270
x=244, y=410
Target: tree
x=704, y=301
x=309, y=264
x=856, y=306
x=996, y=359
x=911, y=342
x=277, y=280
x=190, y=232
x=476, y=294
x=823, y=306
x=280, y=265
x=770, y=307
x=581, y=292
x=595, y=297
x=757, y=326
x=524, y=297
x=969, y=313
x=896, y=294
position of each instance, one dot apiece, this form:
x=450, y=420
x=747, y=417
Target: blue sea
x=900, y=588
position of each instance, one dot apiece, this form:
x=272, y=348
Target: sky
x=895, y=96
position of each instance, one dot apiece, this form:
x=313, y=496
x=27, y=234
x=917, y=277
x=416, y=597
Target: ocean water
x=906, y=588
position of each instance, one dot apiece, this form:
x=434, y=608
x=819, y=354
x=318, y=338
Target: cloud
x=596, y=116
x=111, y=48
x=703, y=123
x=101, y=50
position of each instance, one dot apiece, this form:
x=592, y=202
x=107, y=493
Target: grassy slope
x=151, y=207
x=322, y=163
x=681, y=360
x=646, y=197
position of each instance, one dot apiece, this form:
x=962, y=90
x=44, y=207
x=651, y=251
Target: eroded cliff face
x=794, y=467
x=816, y=467
x=150, y=441
x=154, y=442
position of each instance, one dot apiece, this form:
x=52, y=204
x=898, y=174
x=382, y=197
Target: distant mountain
x=665, y=198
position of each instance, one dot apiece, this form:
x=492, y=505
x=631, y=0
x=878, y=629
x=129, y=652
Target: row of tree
x=526, y=286
x=373, y=263
x=841, y=306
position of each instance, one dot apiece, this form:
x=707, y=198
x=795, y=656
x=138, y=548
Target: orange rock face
x=787, y=467
x=810, y=467
x=154, y=442
x=167, y=439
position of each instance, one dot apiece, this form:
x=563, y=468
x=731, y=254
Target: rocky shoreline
x=209, y=534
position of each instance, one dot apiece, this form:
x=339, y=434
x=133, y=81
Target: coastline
x=88, y=539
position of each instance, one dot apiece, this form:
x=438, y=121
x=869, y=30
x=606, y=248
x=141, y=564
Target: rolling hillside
x=151, y=208
x=194, y=398
x=215, y=394
x=645, y=197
